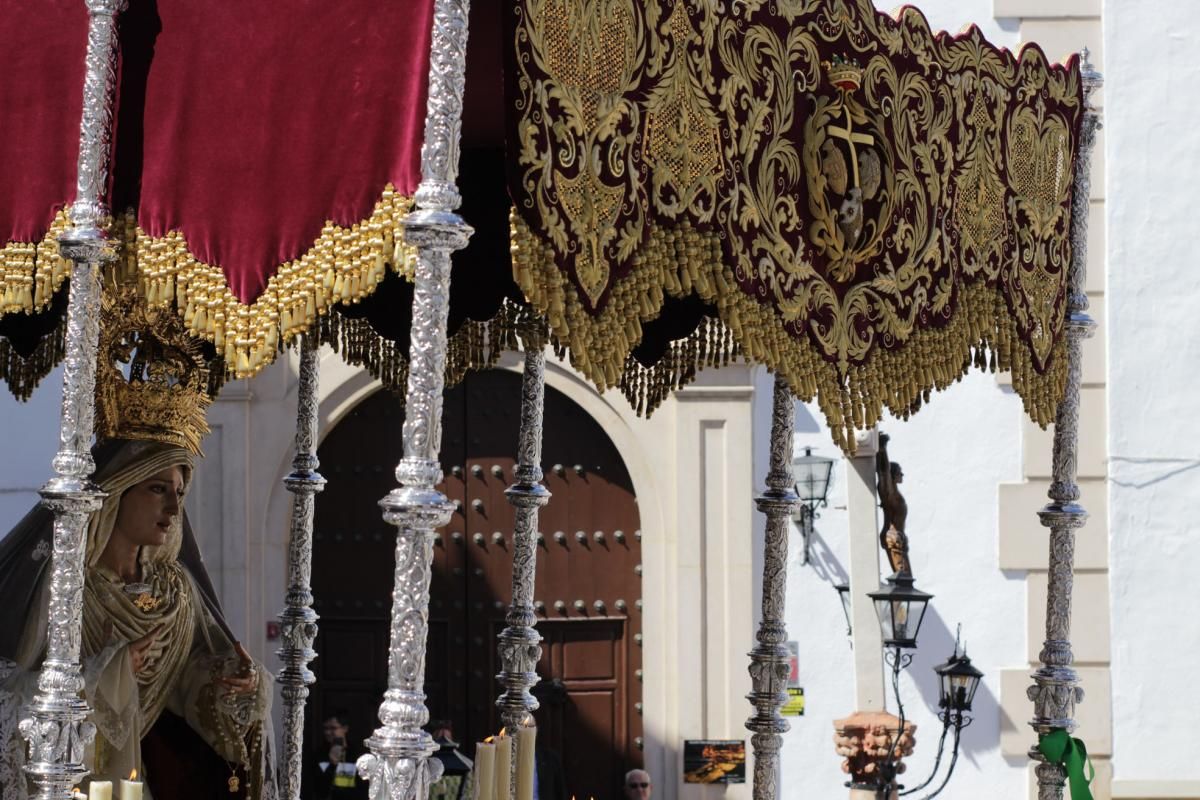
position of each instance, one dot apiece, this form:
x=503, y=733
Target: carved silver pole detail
x=769, y=659
x=58, y=730
x=298, y=621
x=398, y=764
x=520, y=643
x=1056, y=685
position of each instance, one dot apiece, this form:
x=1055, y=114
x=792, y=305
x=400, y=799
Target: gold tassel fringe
x=682, y=260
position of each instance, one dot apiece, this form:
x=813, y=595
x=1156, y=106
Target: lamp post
x=901, y=609
x=958, y=680
x=813, y=475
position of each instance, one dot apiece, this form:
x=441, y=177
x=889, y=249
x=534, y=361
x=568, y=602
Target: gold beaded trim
x=682, y=260
x=31, y=272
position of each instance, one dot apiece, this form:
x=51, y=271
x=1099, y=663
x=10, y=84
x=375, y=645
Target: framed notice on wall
x=714, y=761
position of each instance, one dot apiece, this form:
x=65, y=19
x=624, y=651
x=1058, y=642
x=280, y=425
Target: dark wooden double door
x=588, y=579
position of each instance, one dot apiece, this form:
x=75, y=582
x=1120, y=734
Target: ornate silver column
x=58, y=730
x=298, y=622
x=769, y=659
x=520, y=643
x=1056, y=686
x=398, y=764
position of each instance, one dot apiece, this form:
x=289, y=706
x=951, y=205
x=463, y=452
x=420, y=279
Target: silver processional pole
x=769, y=666
x=398, y=764
x=298, y=621
x=1056, y=685
x=58, y=730
x=520, y=643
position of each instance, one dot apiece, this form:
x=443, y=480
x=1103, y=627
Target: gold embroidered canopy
x=868, y=208
x=863, y=206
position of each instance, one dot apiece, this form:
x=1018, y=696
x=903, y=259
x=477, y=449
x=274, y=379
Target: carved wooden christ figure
x=892, y=537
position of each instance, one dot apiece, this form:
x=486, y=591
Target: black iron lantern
x=455, y=769
x=812, y=475
x=843, y=590
x=901, y=608
x=958, y=680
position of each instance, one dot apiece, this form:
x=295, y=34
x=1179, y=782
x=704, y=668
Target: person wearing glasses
x=637, y=785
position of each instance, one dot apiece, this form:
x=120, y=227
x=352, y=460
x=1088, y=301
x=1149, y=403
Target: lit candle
x=485, y=765
x=132, y=788
x=100, y=790
x=503, y=765
x=526, y=743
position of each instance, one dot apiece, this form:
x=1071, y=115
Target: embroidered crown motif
x=844, y=73
x=164, y=393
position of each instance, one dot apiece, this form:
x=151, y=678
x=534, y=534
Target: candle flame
x=133, y=775
x=491, y=739
x=503, y=732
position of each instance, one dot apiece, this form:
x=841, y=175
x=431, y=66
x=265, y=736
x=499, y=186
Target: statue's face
x=149, y=508
x=897, y=473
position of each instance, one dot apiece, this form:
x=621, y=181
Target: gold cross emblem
x=146, y=602
x=851, y=137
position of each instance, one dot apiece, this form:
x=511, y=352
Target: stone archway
x=589, y=577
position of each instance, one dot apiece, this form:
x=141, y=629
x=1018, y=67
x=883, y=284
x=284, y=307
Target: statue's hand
x=246, y=681
x=139, y=650
x=884, y=439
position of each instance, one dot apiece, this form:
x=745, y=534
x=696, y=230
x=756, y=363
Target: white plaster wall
x=1153, y=328
x=29, y=433
x=954, y=454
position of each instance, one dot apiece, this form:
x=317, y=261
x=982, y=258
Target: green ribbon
x=1070, y=754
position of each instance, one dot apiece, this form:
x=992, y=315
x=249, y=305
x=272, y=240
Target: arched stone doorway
x=589, y=577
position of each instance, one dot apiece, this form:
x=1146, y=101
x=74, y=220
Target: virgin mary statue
x=174, y=696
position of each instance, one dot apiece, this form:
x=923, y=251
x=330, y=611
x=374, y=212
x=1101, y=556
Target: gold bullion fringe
x=475, y=346
x=31, y=273
x=682, y=260
x=24, y=374
x=646, y=388
x=344, y=264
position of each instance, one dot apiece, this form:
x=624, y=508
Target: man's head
x=336, y=726
x=637, y=785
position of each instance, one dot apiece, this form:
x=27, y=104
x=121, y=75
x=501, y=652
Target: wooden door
x=588, y=589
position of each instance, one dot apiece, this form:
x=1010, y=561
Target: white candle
x=131, y=789
x=100, y=790
x=526, y=744
x=485, y=766
x=503, y=765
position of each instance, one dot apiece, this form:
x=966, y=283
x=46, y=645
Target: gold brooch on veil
x=152, y=380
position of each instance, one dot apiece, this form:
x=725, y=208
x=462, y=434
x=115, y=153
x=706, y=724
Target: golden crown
x=152, y=379
x=844, y=73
